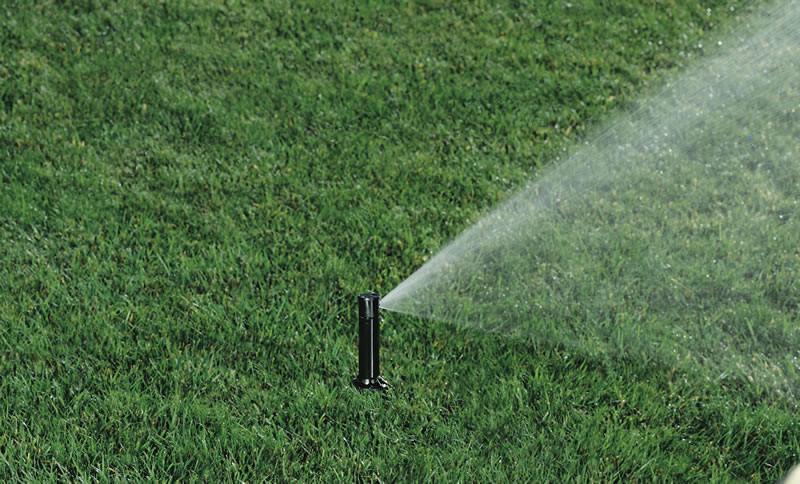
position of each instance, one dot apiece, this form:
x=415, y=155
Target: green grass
x=193, y=192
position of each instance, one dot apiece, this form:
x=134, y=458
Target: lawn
x=193, y=192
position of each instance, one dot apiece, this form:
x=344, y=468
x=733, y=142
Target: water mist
x=672, y=232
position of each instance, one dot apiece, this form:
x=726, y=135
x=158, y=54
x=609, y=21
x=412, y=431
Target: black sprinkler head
x=369, y=374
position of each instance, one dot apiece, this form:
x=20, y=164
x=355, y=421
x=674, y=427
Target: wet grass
x=193, y=192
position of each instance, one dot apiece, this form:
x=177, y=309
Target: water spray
x=672, y=231
x=369, y=375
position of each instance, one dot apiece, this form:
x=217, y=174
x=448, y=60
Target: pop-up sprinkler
x=369, y=375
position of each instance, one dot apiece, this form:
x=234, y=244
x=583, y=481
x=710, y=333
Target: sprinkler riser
x=369, y=374
x=368, y=349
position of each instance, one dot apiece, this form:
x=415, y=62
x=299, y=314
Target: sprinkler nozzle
x=369, y=374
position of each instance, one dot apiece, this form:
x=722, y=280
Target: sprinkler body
x=369, y=374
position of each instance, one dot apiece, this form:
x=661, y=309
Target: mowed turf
x=192, y=193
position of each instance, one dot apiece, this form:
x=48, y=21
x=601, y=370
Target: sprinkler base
x=372, y=384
